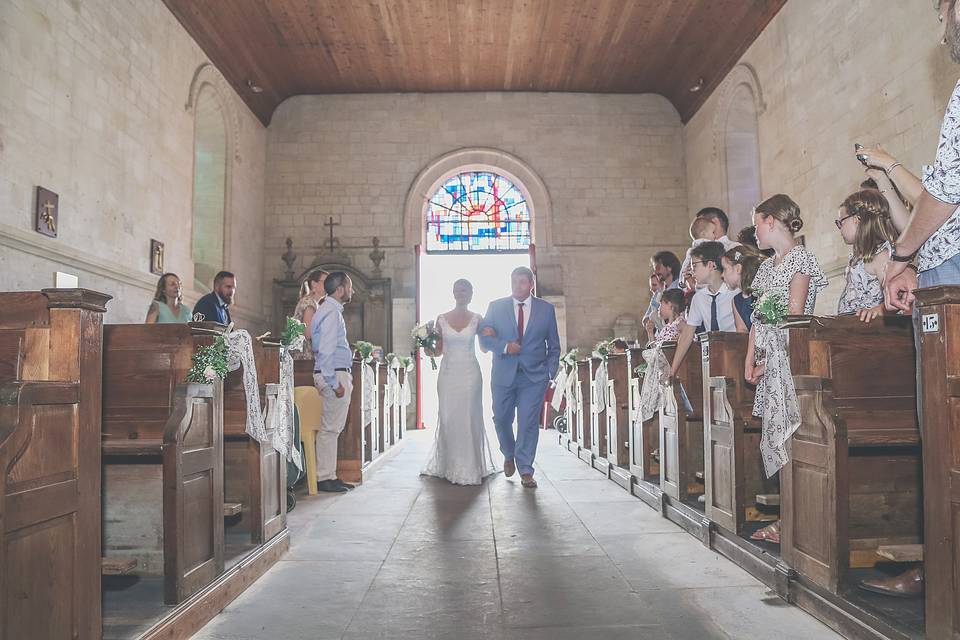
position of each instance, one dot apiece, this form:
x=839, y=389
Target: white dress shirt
x=700, y=305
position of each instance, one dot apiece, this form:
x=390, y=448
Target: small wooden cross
x=330, y=223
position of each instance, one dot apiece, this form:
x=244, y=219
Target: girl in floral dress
x=671, y=310
x=865, y=224
x=793, y=275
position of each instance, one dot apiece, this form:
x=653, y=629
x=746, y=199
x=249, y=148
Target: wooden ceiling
x=294, y=47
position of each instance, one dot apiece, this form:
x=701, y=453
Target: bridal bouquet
x=426, y=336
x=771, y=306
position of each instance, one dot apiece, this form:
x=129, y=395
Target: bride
x=461, y=452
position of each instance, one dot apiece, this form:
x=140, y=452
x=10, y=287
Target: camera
x=862, y=157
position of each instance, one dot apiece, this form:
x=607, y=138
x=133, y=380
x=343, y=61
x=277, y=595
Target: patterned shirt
x=942, y=181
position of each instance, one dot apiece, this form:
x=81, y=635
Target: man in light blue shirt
x=333, y=359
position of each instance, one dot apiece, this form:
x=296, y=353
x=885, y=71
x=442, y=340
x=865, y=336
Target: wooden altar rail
x=732, y=466
x=255, y=474
x=853, y=482
x=163, y=456
x=50, y=389
x=681, y=433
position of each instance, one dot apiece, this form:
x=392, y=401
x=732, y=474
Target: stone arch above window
x=209, y=188
x=509, y=168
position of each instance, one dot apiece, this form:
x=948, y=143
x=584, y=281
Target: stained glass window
x=478, y=211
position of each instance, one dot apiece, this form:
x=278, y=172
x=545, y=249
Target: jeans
x=947, y=273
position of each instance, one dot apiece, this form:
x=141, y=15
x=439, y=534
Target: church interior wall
x=831, y=73
x=93, y=107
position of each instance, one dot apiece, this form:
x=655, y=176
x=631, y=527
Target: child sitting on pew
x=740, y=265
x=794, y=275
x=865, y=224
x=672, y=307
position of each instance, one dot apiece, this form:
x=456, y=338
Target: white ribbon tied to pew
x=369, y=383
x=600, y=389
x=240, y=352
x=776, y=398
x=561, y=387
x=283, y=423
x=651, y=393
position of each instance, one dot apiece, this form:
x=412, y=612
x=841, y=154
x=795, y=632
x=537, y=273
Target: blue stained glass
x=478, y=211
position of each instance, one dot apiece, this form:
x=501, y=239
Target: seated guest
x=656, y=288
x=213, y=307
x=167, y=306
x=740, y=265
x=311, y=297
x=864, y=223
x=701, y=230
x=711, y=308
x=718, y=216
x=672, y=308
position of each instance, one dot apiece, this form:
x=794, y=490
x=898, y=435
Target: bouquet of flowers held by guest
x=427, y=337
x=771, y=307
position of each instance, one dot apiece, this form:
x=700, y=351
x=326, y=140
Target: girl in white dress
x=461, y=452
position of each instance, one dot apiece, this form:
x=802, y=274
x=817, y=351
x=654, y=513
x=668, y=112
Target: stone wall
x=612, y=169
x=829, y=73
x=92, y=107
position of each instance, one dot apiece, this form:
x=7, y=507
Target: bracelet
x=892, y=167
x=910, y=265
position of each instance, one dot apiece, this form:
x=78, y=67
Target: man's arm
x=928, y=215
x=553, y=345
x=496, y=343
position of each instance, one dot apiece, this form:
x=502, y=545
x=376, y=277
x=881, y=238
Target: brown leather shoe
x=527, y=481
x=908, y=584
x=509, y=467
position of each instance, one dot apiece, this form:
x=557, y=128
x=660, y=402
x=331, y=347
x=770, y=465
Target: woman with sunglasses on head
x=865, y=224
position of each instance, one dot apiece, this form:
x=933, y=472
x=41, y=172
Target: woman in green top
x=167, y=306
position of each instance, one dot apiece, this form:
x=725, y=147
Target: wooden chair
x=310, y=406
x=939, y=334
x=854, y=477
x=255, y=475
x=163, y=456
x=734, y=475
x=619, y=366
x=681, y=434
x=50, y=390
x=644, y=436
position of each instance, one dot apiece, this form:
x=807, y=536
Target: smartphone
x=860, y=156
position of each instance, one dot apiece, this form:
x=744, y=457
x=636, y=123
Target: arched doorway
x=476, y=221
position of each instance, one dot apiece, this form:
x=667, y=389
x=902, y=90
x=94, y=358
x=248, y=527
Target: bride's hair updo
x=463, y=282
x=781, y=207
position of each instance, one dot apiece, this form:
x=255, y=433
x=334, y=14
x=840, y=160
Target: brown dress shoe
x=908, y=584
x=509, y=468
x=528, y=481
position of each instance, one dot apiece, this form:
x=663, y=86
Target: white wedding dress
x=461, y=451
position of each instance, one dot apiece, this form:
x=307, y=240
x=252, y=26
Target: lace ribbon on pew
x=563, y=386
x=240, y=352
x=283, y=423
x=776, y=399
x=651, y=393
x=368, y=380
x=600, y=389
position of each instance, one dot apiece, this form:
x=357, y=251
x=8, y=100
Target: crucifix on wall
x=332, y=242
x=47, y=215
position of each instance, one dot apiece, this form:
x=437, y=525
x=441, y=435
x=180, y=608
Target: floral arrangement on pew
x=604, y=348
x=209, y=362
x=426, y=336
x=640, y=369
x=771, y=307
x=563, y=383
x=291, y=332
x=569, y=359
x=401, y=362
x=365, y=350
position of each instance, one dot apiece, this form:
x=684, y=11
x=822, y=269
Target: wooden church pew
x=598, y=419
x=681, y=435
x=163, y=456
x=644, y=436
x=939, y=309
x=585, y=380
x=573, y=409
x=50, y=390
x=619, y=366
x=853, y=483
x=254, y=474
x=733, y=469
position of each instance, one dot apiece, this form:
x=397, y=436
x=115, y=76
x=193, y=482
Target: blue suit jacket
x=209, y=306
x=539, y=355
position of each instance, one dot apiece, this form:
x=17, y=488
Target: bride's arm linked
x=489, y=340
x=486, y=331
x=436, y=353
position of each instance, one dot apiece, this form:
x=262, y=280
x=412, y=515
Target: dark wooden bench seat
x=163, y=505
x=853, y=483
x=50, y=390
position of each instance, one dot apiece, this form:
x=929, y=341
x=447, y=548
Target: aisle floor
x=410, y=557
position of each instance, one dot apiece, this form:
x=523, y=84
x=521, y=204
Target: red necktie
x=520, y=323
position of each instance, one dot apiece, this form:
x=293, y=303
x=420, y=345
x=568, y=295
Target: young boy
x=711, y=308
x=701, y=230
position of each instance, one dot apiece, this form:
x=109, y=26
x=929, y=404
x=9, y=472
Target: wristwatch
x=896, y=258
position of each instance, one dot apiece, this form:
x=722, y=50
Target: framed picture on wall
x=156, y=257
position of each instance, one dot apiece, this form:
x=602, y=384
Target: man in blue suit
x=521, y=333
x=215, y=306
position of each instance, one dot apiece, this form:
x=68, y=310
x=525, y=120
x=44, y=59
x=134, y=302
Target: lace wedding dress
x=461, y=452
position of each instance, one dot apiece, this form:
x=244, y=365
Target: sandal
x=770, y=533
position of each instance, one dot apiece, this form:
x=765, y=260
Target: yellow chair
x=310, y=405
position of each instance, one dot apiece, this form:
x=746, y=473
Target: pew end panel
x=585, y=379
x=618, y=416
x=681, y=431
x=598, y=419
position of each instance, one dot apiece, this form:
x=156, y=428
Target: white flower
x=210, y=374
x=422, y=332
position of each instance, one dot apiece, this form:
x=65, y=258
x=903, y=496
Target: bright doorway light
x=490, y=276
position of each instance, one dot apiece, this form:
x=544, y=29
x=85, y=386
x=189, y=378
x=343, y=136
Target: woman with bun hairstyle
x=793, y=275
